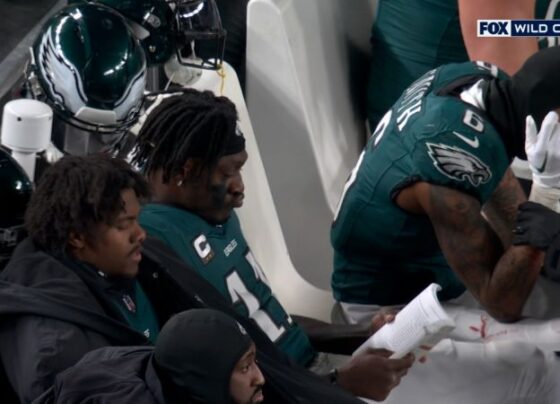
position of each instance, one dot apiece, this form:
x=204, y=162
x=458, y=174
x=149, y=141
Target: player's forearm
x=500, y=280
x=536, y=229
x=501, y=209
x=511, y=283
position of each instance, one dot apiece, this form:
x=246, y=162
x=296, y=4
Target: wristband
x=547, y=196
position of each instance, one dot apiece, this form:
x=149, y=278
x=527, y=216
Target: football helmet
x=166, y=27
x=16, y=192
x=89, y=66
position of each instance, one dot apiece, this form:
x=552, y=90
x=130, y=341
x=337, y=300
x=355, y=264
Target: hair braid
x=192, y=124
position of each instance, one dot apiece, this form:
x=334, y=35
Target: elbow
x=504, y=313
x=505, y=317
x=503, y=307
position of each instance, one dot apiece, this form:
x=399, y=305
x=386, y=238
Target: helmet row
x=89, y=61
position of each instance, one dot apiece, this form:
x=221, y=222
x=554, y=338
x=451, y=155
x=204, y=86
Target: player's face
x=115, y=248
x=247, y=381
x=224, y=189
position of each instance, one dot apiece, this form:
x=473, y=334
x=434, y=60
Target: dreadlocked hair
x=77, y=193
x=193, y=124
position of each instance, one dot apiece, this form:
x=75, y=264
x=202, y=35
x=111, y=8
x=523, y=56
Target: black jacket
x=111, y=375
x=51, y=315
x=49, y=319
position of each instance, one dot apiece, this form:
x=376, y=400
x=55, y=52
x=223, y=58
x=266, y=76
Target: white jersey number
x=349, y=183
x=238, y=291
x=376, y=138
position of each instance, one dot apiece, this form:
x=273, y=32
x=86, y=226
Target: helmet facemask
x=199, y=28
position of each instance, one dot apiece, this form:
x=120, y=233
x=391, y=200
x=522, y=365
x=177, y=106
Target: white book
x=417, y=327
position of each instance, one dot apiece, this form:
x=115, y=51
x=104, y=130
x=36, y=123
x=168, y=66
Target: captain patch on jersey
x=203, y=249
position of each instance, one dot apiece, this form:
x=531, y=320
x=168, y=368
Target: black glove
x=536, y=225
x=551, y=265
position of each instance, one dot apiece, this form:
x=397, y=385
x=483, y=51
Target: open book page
x=418, y=326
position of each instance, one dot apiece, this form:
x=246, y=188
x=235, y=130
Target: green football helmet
x=166, y=27
x=16, y=192
x=88, y=65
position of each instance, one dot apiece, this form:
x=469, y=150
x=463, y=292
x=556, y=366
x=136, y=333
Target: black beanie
x=196, y=352
x=534, y=90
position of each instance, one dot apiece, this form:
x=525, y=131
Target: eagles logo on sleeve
x=459, y=164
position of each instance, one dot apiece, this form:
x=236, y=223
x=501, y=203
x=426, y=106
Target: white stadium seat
x=305, y=58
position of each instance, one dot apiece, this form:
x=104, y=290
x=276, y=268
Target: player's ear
x=192, y=169
x=76, y=241
x=188, y=173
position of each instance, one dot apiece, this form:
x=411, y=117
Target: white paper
x=417, y=327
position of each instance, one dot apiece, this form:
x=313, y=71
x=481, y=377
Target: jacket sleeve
x=34, y=349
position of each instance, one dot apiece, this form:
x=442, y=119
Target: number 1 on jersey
x=238, y=291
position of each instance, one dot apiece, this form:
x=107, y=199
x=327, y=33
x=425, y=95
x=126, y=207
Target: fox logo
x=459, y=164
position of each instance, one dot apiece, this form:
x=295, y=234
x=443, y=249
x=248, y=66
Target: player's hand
x=536, y=225
x=543, y=150
x=372, y=374
x=383, y=316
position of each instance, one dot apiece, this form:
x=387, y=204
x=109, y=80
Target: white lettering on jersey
x=349, y=183
x=411, y=103
x=203, y=249
x=230, y=247
x=403, y=118
x=381, y=127
x=473, y=120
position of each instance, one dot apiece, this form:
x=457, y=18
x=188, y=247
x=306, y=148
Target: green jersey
x=410, y=37
x=221, y=255
x=384, y=255
x=137, y=310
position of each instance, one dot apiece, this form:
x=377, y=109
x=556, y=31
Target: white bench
x=304, y=58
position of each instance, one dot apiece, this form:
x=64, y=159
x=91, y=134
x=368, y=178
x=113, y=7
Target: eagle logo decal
x=459, y=164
